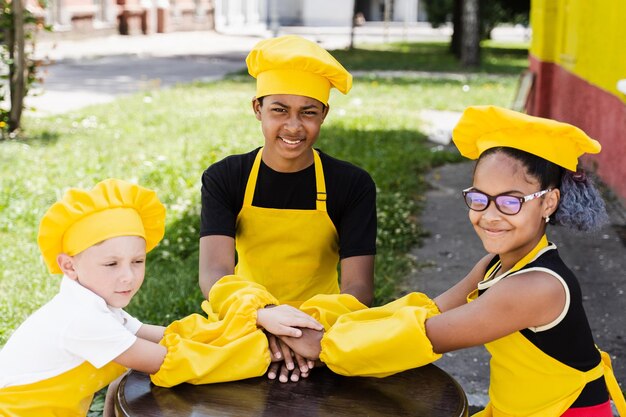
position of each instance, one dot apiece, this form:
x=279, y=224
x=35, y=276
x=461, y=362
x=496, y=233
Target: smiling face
x=291, y=125
x=510, y=236
x=113, y=269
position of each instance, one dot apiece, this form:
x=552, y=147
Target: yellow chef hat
x=110, y=209
x=293, y=65
x=484, y=127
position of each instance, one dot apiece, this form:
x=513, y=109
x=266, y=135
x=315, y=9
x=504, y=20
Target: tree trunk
x=17, y=68
x=457, y=28
x=470, y=44
x=353, y=28
x=386, y=18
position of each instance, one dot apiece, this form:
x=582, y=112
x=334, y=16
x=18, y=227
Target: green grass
x=165, y=139
x=497, y=58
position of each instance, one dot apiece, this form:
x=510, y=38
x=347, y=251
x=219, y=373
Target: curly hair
x=580, y=208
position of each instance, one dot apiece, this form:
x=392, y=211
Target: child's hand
x=307, y=345
x=286, y=365
x=285, y=320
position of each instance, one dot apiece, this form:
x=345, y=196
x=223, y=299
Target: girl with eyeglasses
x=520, y=300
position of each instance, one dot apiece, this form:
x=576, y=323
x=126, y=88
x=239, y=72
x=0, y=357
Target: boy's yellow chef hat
x=293, y=65
x=484, y=127
x=110, y=209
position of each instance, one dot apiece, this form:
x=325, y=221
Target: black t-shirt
x=350, y=199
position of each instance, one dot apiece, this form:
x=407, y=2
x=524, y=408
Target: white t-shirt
x=75, y=326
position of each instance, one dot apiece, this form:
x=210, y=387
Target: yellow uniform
x=524, y=381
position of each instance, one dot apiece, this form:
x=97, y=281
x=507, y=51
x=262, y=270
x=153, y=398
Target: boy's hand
x=284, y=320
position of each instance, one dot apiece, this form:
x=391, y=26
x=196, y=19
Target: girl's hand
x=307, y=346
x=285, y=320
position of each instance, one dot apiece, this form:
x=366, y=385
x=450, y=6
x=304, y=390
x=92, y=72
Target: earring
x=547, y=219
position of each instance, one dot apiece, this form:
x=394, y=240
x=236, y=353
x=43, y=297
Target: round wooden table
x=424, y=392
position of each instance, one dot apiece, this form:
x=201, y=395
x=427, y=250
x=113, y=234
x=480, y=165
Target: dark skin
x=294, y=357
x=306, y=349
x=308, y=345
x=286, y=118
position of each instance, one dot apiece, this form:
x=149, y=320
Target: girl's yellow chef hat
x=293, y=65
x=484, y=127
x=110, y=209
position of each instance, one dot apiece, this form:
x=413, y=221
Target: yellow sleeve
x=228, y=290
x=383, y=340
x=327, y=308
x=202, y=351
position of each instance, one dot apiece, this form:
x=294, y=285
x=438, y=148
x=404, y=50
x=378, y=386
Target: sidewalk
x=97, y=70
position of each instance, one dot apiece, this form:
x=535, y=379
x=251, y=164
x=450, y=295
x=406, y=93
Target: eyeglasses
x=507, y=204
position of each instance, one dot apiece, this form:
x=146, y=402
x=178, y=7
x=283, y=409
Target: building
x=578, y=59
x=235, y=14
x=80, y=17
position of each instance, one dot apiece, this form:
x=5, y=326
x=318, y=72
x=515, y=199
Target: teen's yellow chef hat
x=110, y=209
x=294, y=65
x=484, y=127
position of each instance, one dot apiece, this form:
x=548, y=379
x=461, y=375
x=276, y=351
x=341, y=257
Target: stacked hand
x=294, y=341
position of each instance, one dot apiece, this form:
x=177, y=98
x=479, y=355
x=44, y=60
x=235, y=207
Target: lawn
x=164, y=139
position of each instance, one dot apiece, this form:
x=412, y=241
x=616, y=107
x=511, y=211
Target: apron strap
x=611, y=383
x=250, y=186
x=320, y=184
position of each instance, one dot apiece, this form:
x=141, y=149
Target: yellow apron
x=65, y=395
x=284, y=256
x=525, y=381
x=292, y=253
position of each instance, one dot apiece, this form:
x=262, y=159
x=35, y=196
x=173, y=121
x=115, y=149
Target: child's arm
x=457, y=295
x=146, y=354
x=151, y=332
x=531, y=299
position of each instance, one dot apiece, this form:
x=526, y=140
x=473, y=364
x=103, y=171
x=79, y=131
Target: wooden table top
x=425, y=392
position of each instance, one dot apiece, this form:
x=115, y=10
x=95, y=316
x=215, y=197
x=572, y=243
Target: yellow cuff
x=202, y=350
x=381, y=341
x=229, y=289
x=204, y=363
x=327, y=308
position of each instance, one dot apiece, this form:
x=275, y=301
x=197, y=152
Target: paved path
x=98, y=70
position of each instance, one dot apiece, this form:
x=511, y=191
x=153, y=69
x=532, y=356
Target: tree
x=17, y=27
x=470, y=39
x=457, y=28
x=491, y=13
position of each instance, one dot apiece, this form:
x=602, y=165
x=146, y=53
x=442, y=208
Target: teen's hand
x=308, y=345
x=281, y=352
x=280, y=371
x=286, y=365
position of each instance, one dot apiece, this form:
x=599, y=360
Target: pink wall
x=561, y=95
